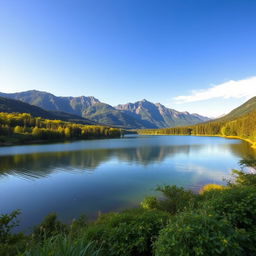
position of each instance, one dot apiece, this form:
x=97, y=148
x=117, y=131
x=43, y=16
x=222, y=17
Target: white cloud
x=245, y=88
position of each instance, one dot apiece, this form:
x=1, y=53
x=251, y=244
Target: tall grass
x=62, y=245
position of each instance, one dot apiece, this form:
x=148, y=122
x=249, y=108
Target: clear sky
x=194, y=55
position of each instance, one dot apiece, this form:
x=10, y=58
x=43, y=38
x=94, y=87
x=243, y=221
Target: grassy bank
x=219, y=220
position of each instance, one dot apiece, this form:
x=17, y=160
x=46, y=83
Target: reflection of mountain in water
x=38, y=165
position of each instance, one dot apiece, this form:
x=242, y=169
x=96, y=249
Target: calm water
x=105, y=175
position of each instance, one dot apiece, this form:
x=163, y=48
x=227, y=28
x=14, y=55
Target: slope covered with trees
x=243, y=127
x=245, y=108
x=16, y=127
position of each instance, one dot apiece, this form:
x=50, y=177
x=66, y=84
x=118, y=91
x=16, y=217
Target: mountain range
x=141, y=114
x=10, y=106
x=160, y=116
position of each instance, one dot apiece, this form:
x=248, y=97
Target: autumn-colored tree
x=35, y=131
x=50, y=129
x=18, y=129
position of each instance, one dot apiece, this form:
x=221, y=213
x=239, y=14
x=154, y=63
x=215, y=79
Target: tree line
x=12, y=124
x=243, y=127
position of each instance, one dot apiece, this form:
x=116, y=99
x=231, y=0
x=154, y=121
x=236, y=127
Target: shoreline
x=39, y=142
x=253, y=144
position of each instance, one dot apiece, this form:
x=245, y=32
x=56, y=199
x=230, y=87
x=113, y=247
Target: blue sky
x=193, y=55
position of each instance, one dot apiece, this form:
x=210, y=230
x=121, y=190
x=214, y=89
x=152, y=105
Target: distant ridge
x=160, y=116
x=243, y=109
x=139, y=115
x=10, y=106
x=48, y=101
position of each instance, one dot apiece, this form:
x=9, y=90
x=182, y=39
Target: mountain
x=245, y=108
x=87, y=107
x=10, y=105
x=158, y=116
x=141, y=114
x=48, y=101
x=106, y=114
x=239, y=123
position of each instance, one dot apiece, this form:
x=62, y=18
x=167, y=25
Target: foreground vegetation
x=219, y=220
x=18, y=128
x=242, y=127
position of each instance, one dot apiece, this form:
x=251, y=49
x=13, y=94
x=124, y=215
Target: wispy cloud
x=245, y=88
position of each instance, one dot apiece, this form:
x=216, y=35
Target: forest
x=23, y=127
x=242, y=127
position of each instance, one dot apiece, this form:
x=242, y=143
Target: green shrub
x=237, y=204
x=176, y=199
x=7, y=223
x=128, y=233
x=250, y=162
x=78, y=226
x=10, y=242
x=150, y=203
x=242, y=178
x=198, y=234
x=49, y=227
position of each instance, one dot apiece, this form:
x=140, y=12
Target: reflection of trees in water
x=148, y=155
x=38, y=165
x=243, y=150
x=42, y=164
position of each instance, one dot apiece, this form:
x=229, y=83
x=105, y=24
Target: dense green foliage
x=175, y=200
x=237, y=204
x=215, y=222
x=243, y=127
x=49, y=227
x=129, y=233
x=9, y=242
x=26, y=127
x=198, y=234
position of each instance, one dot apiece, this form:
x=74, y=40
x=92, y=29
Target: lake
x=89, y=177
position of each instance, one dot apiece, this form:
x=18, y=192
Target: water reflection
x=37, y=165
x=86, y=177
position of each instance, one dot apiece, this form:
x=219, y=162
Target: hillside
x=10, y=106
x=245, y=108
x=242, y=126
x=138, y=115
